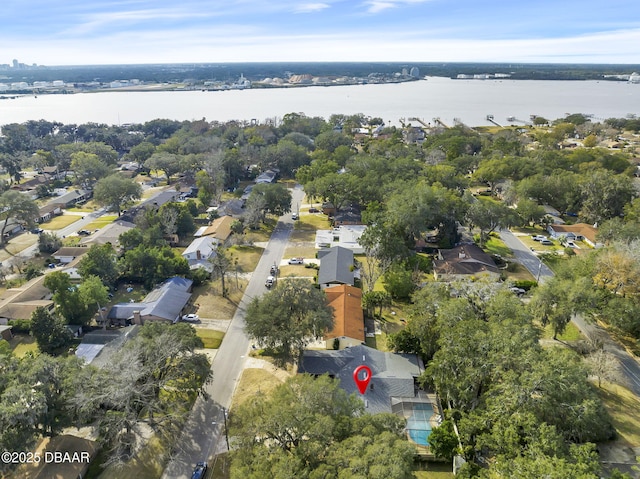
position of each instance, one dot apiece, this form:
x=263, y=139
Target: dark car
x=200, y=470
x=274, y=269
x=314, y=210
x=37, y=231
x=84, y=232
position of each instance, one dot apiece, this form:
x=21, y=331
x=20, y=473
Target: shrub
x=20, y=325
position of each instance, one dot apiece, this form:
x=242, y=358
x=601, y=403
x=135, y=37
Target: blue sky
x=75, y=32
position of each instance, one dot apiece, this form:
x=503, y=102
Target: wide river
x=468, y=101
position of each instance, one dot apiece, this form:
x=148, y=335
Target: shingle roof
x=392, y=375
x=335, y=266
x=464, y=259
x=220, y=228
x=166, y=301
x=348, y=319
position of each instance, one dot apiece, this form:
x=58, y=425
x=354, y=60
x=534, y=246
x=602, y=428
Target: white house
x=346, y=236
x=200, y=251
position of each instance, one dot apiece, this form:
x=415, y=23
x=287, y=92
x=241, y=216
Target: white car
x=539, y=238
x=270, y=281
x=296, y=261
x=294, y=216
x=191, y=318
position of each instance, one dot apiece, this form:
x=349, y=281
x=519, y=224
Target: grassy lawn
x=101, y=222
x=571, y=333
x=624, y=407
x=254, y=381
x=211, y=304
x=517, y=272
x=210, y=337
x=434, y=470
x=247, y=256
x=59, y=222
x=17, y=244
x=496, y=246
x=303, y=250
x=21, y=344
x=297, y=270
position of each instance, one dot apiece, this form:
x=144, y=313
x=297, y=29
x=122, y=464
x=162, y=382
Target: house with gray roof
x=392, y=389
x=109, y=234
x=97, y=347
x=392, y=375
x=165, y=303
x=336, y=267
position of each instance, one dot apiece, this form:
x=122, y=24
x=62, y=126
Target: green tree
x=309, y=427
x=100, y=261
x=488, y=216
x=277, y=198
x=152, y=265
x=88, y=168
x=206, y=190
x=49, y=243
x=16, y=208
x=443, y=441
x=286, y=317
x=115, y=190
x=169, y=163
x=93, y=292
x=69, y=304
x=50, y=332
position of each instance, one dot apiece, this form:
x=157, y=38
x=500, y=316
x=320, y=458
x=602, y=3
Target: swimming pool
x=418, y=424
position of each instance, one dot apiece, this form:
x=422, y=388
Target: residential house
x=200, y=251
x=21, y=302
x=30, y=186
x=351, y=215
x=12, y=228
x=53, y=172
x=67, y=254
x=153, y=203
x=47, y=212
x=109, y=234
x=328, y=208
x=578, y=232
x=98, y=347
x=393, y=386
x=336, y=267
x=462, y=262
x=345, y=236
x=219, y=229
x=268, y=176
x=72, y=198
x=348, y=317
x=165, y=303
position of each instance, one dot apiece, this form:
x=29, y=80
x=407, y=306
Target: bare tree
x=603, y=365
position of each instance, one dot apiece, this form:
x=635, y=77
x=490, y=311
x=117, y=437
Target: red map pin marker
x=362, y=381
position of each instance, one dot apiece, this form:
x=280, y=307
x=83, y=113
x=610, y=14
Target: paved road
x=203, y=436
x=629, y=365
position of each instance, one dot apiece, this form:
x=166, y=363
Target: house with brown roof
x=20, y=303
x=463, y=262
x=47, y=212
x=579, y=231
x=220, y=229
x=348, y=318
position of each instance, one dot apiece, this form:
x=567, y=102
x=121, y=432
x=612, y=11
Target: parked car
x=84, y=232
x=518, y=291
x=546, y=242
x=37, y=231
x=571, y=244
x=270, y=282
x=273, y=270
x=539, y=238
x=200, y=470
x=296, y=261
x=294, y=216
x=314, y=210
x=191, y=318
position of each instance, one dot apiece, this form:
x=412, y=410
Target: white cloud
x=376, y=6
x=311, y=7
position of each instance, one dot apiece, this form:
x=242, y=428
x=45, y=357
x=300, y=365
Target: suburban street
x=628, y=364
x=204, y=436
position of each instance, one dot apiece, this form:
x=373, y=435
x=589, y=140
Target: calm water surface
x=470, y=101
